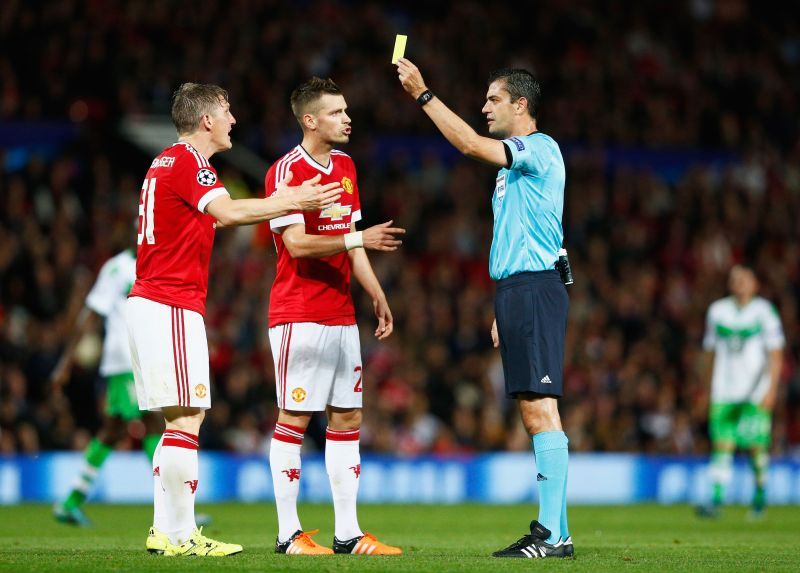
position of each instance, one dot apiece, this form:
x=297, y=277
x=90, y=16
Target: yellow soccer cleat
x=365, y=545
x=157, y=541
x=301, y=544
x=199, y=544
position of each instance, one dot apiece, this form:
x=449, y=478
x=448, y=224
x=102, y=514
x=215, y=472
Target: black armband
x=509, y=157
x=425, y=97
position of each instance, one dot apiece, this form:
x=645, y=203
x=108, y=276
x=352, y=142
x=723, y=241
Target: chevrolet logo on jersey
x=335, y=212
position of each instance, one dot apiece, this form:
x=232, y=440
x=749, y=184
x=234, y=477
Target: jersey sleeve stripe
x=282, y=163
x=210, y=196
x=201, y=161
x=198, y=157
x=283, y=166
x=279, y=223
x=190, y=149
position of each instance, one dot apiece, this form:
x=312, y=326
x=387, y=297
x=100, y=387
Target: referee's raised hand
x=410, y=78
x=382, y=237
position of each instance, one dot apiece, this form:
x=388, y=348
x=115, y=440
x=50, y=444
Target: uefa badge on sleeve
x=206, y=177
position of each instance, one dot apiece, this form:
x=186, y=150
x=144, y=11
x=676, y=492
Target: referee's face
x=498, y=110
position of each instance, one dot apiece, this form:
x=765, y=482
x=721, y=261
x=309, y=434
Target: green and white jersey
x=107, y=298
x=741, y=338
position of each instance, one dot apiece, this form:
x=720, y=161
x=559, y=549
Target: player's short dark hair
x=520, y=83
x=309, y=92
x=745, y=266
x=192, y=101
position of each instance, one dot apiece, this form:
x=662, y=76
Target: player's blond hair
x=190, y=102
x=308, y=93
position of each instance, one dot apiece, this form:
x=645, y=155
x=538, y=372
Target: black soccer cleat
x=707, y=511
x=569, y=549
x=534, y=546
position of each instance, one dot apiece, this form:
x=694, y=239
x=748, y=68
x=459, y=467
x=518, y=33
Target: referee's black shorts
x=531, y=312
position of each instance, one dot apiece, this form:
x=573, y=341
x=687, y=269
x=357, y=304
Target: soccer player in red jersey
x=181, y=202
x=313, y=331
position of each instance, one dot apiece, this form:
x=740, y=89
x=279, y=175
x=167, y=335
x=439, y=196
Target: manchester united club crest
x=200, y=391
x=298, y=394
x=347, y=185
x=292, y=474
x=206, y=177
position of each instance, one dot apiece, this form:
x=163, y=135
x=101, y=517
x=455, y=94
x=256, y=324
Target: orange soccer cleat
x=301, y=544
x=364, y=545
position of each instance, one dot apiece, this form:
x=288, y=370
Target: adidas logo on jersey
x=546, y=380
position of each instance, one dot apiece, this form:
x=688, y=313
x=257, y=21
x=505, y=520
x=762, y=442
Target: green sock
x=760, y=462
x=95, y=455
x=150, y=443
x=718, y=494
x=721, y=470
x=759, y=498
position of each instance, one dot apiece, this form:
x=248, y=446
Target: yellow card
x=399, y=47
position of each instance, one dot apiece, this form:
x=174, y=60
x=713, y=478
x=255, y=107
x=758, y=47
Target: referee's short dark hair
x=520, y=83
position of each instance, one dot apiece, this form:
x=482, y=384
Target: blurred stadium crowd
x=679, y=124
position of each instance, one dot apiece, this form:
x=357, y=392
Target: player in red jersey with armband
x=313, y=331
x=182, y=201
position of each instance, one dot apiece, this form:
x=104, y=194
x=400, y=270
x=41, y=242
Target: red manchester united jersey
x=306, y=289
x=175, y=234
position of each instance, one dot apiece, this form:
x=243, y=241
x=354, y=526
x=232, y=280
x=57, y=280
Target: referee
x=531, y=305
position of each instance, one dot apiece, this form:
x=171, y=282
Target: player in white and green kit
x=744, y=346
x=107, y=300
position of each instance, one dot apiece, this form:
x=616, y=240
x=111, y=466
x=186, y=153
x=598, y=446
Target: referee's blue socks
x=550, y=449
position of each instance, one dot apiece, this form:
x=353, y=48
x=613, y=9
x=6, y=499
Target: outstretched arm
x=308, y=196
x=456, y=130
x=300, y=244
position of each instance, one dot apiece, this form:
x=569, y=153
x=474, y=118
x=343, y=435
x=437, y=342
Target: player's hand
x=382, y=237
x=309, y=195
x=60, y=376
x=495, y=336
x=768, y=403
x=410, y=78
x=385, y=320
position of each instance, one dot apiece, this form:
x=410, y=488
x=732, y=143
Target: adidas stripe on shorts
x=316, y=366
x=169, y=351
x=531, y=311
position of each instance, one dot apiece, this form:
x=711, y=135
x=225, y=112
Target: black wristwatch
x=425, y=97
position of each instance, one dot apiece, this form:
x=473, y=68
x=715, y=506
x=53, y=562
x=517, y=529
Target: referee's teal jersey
x=528, y=202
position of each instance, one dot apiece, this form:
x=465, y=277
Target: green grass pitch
x=435, y=538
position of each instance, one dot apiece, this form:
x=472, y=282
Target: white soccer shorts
x=316, y=366
x=169, y=351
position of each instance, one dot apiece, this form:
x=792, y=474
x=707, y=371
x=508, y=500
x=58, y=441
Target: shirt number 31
x=146, y=212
